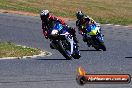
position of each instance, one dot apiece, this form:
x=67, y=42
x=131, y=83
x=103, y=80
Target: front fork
x=74, y=47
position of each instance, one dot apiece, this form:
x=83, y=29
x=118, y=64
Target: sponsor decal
x=83, y=78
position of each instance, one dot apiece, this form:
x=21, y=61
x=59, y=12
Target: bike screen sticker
x=83, y=78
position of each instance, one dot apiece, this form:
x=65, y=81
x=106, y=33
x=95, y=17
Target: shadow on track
x=52, y=59
x=90, y=50
x=128, y=57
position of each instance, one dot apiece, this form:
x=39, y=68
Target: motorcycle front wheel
x=99, y=45
x=63, y=51
x=102, y=46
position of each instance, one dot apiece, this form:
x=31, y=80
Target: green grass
x=11, y=50
x=104, y=11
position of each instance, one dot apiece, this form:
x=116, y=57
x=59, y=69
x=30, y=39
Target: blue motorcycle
x=94, y=37
x=63, y=41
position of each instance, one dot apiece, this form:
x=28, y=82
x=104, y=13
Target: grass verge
x=104, y=11
x=11, y=50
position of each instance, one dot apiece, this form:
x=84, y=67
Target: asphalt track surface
x=55, y=71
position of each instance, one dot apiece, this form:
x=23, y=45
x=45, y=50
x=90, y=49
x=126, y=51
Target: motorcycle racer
x=90, y=30
x=84, y=21
x=48, y=22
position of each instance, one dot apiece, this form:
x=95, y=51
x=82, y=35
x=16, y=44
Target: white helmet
x=44, y=14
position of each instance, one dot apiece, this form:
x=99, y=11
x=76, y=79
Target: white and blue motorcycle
x=63, y=41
